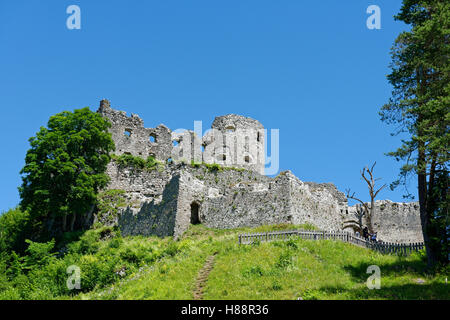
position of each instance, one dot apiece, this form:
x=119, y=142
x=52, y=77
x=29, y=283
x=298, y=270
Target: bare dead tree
x=360, y=211
x=371, y=181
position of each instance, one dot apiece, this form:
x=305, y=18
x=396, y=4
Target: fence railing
x=383, y=247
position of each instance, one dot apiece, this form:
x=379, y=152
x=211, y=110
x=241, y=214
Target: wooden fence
x=383, y=247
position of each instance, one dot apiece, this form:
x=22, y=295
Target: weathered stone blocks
x=165, y=200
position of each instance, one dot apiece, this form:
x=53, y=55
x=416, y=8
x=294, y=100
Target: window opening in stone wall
x=230, y=129
x=152, y=138
x=247, y=159
x=127, y=133
x=195, y=219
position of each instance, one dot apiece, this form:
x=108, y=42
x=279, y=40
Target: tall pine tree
x=419, y=106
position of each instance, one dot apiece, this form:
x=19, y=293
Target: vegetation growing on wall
x=108, y=205
x=214, y=167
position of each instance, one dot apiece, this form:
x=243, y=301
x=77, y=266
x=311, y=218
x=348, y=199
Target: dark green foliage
x=253, y=271
x=38, y=254
x=276, y=286
x=14, y=229
x=172, y=249
x=195, y=164
x=101, y=254
x=291, y=243
x=65, y=167
x=213, y=167
x=284, y=260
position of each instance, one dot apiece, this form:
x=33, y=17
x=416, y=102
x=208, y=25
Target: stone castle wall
x=166, y=200
x=160, y=201
x=393, y=221
x=131, y=137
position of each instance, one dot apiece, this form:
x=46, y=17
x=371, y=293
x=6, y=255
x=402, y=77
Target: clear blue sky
x=309, y=68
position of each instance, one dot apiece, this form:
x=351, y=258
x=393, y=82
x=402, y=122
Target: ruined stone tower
x=131, y=137
x=238, y=141
x=232, y=141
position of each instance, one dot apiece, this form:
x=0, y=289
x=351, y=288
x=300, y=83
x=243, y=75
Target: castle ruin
x=185, y=190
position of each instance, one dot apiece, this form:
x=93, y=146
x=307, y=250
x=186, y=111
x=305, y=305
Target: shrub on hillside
x=14, y=229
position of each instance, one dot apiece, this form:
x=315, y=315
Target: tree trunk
x=64, y=222
x=369, y=218
x=424, y=214
x=72, y=221
x=87, y=220
x=50, y=223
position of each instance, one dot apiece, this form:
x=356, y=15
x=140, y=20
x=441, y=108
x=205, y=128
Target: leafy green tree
x=64, y=169
x=419, y=106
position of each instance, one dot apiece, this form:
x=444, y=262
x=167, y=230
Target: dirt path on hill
x=202, y=278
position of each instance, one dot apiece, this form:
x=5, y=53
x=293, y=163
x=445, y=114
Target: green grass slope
x=115, y=267
x=278, y=270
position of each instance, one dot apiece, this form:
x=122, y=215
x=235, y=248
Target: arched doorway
x=195, y=219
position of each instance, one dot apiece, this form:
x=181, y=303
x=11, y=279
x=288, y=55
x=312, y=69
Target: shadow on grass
x=420, y=287
x=432, y=291
x=400, y=267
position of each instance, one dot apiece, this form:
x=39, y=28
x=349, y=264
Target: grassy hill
x=113, y=267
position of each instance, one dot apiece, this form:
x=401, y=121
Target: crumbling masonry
x=186, y=190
